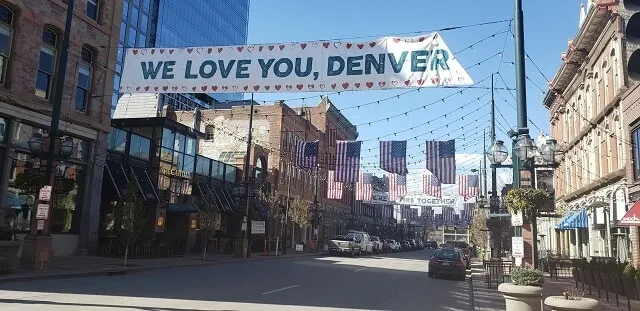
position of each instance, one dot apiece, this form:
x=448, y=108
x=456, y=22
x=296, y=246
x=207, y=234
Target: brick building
x=31, y=34
x=276, y=128
x=586, y=118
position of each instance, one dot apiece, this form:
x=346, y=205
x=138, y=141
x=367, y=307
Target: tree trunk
x=204, y=251
x=126, y=254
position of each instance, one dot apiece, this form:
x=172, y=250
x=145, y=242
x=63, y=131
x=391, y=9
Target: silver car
x=344, y=245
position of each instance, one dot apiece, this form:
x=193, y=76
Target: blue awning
x=564, y=219
x=577, y=219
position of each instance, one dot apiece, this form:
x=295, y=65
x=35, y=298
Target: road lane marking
x=280, y=289
x=359, y=270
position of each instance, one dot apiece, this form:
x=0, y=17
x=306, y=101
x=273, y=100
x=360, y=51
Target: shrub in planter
x=628, y=281
x=527, y=277
x=524, y=293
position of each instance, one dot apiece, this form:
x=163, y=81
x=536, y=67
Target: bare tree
x=207, y=221
x=479, y=229
x=271, y=199
x=300, y=212
x=130, y=217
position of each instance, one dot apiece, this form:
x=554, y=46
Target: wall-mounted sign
x=632, y=217
x=175, y=172
x=423, y=200
x=322, y=66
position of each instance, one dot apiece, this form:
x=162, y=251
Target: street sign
x=43, y=211
x=517, y=220
x=40, y=225
x=517, y=247
x=257, y=227
x=45, y=193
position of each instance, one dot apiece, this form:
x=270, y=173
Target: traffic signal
x=632, y=37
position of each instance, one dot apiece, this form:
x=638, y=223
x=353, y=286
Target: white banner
x=321, y=66
x=425, y=200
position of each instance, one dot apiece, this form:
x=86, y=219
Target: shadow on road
x=384, y=282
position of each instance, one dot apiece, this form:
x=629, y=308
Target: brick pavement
x=486, y=299
x=83, y=266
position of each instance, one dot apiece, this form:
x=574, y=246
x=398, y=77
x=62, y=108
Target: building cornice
x=579, y=48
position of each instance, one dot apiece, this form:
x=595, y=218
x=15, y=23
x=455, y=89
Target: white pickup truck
x=365, y=241
x=378, y=246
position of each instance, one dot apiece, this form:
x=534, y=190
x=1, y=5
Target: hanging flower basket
x=525, y=200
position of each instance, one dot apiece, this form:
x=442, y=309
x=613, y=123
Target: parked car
x=344, y=245
x=464, y=248
x=448, y=261
x=406, y=245
x=378, y=246
x=365, y=241
x=391, y=246
x=431, y=245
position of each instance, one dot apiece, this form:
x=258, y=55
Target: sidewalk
x=83, y=266
x=486, y=299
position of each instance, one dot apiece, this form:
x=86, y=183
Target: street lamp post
x=525, y=149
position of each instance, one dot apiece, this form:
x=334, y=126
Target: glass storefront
x=26, y=178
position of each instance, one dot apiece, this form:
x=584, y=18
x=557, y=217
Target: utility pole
x=316, y=215
x=484, y=163
x=247, y=168
x=37, y=245
x=286, y=210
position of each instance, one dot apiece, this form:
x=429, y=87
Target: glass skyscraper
x=182, y=23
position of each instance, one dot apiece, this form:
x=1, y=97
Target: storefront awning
x=117, y=178
x=575, y=220
x=182, y=208
x=147, y=188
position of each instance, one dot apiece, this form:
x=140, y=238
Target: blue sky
x=548, y=27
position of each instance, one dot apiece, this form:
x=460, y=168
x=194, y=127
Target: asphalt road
x=389, y=282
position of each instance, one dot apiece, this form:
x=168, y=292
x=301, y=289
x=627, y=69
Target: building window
x=92, y=9
x=209, y=132
x=47, y=65
x=6, y=34
x=84, y=80
x=635, y=139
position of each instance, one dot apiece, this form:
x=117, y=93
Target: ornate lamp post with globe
x=528, y=156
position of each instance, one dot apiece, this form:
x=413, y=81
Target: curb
x=123, y=271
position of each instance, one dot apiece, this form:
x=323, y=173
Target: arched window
x=607, y=79
x=93, y=6
x=580, y=108
x=84, y=79
x=597, y=94
x=47, y=64
x=616, y=71
x=209, y=132
x=6, y=36
x=588, y=100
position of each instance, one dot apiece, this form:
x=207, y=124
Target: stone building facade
x=584, y=102
x=31, y=34
x=276, y=128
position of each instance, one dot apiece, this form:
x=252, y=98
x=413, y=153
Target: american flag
x=468, y=186
x=387, y=211
x=426, y=212
x=334, y=189
x=469, y=211
x=448, y=215
x=348, y=161
x=393, y=157
x=441, y=160
x=364, y=188
x=306, y=154
x=397, y=186
x=431, y=185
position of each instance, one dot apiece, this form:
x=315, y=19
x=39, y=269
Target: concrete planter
x=559, y=303
x=521, y=298
x=9, y=251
